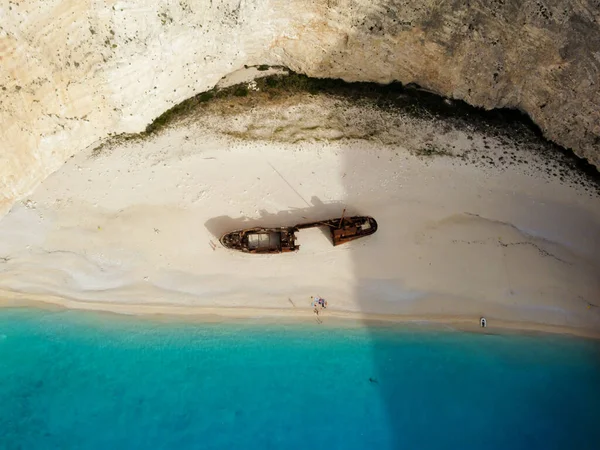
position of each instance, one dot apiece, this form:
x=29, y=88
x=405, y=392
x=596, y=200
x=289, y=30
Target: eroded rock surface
x=72, y=72
x=542, y=57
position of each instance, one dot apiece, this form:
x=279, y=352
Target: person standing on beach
x=318, y=302
x=315, y=304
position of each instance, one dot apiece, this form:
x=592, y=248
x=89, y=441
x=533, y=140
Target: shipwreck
x=283, y=239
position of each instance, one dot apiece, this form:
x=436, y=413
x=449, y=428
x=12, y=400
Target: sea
x=76, y=380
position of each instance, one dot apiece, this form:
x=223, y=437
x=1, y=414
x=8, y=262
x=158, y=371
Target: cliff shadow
x=380, y=284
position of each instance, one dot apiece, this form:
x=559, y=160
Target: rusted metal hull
x=352, y=228
x=262, y=240
x=283, y=239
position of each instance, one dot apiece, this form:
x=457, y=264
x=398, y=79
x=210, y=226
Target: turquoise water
x=72, y=380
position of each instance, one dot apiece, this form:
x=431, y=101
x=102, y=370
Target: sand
x=135, y=229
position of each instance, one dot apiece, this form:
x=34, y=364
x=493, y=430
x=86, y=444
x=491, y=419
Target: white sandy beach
x=135, y=230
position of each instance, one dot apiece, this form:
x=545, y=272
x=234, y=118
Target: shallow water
x=86, y=381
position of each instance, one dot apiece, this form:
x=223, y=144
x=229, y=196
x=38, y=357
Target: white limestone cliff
x=72, y=71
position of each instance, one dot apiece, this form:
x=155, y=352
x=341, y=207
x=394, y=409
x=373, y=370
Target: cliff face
x=540, y=57
x=72, y=71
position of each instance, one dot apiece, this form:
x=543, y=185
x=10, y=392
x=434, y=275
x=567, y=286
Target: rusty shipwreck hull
x=262, y=240
x=345, y=229
x=283, y=239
